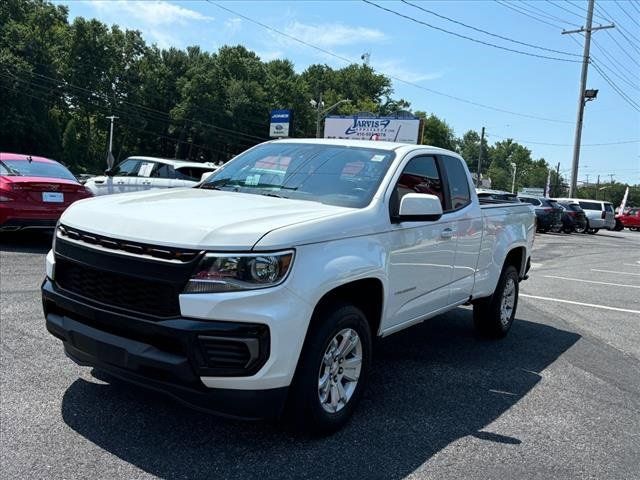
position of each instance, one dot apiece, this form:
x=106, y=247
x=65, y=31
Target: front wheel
x=332, y=370
x=493, y=316
x=593, y=231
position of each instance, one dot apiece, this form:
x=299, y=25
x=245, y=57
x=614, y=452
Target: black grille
x=152, y=297
x=220, y=352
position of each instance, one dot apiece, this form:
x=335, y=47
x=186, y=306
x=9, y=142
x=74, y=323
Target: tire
x=306, y=411
x=489, y=319
x=568, y=230
x=580, y=228
x=556, y=229
x=592, y=231
x=634, y=229
x=619, y=227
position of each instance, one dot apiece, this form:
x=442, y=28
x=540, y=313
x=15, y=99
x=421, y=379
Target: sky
x=530, y=99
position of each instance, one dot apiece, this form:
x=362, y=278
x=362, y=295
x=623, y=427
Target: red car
x=34, y=191
x=630, y=220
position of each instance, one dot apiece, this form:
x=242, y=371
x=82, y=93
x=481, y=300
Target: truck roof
x=379, y=145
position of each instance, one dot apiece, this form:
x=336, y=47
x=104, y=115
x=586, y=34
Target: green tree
x=436, y=132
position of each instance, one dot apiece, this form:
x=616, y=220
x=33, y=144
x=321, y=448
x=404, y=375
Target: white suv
x=600, y=214
x=144, y=173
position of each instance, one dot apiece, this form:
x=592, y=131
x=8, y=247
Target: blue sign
x=280, y=120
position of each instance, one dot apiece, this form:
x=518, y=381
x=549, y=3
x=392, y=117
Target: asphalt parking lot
x=558, y=398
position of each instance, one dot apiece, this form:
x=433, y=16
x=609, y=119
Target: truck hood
x=192, y=217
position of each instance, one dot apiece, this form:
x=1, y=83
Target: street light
x=513, y=181
x=319, y=106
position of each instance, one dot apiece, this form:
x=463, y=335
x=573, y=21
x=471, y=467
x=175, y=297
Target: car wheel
x=332, y=370
x=592, y=231
x=634, y=229
x=568, y=230
x=618, y=226
x=493, y=316
x=580, y=228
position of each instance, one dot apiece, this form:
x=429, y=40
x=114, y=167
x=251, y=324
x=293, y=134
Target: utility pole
x=319, y=116
x=582, y=99
x=480, y=158
x=110, y=159
x=319, y=106
x=611, y=175
x=558, y=194
x=597, y=186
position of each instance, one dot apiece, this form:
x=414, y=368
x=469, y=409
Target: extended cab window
x=420, y=175
x=458, y=183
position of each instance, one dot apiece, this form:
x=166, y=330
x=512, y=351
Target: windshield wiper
x=11, y=171
x=271, y=194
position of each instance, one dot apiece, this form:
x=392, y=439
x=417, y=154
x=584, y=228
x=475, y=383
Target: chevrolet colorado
x=258, y=293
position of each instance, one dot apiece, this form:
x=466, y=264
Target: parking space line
x=571, y=302
x=632, y=264
x=613, y=271
x=592, y=281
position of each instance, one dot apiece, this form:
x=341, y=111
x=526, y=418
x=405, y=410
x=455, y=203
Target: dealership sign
x=280, y=121
x=373, y=128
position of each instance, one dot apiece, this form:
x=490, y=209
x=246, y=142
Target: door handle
x=120, y=182
x=447, y=233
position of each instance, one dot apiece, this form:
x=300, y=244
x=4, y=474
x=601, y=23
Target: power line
x=621, y=29
x=616, y=67
x=633, y=4
x=351, y=61
x=531, y=142
x=572, y=12
x=143, y=107
x=618, y=90
x=517, y=9
x=545, y=14
x=584, y=10
x=465, y=37
x=626, y=13
x=489, y=33
x=624, y=50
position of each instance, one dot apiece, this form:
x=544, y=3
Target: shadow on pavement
x=29, y=241
x=431, y=385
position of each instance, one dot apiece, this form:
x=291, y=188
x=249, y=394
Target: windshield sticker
x=377, y=158
x=252, y=179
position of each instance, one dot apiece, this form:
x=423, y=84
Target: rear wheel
x=592, y=231
x=332, y=370
x=493, y=316
x=580, y=228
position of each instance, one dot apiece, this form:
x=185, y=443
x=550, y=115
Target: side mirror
x=419, y=207
x=109, y=172
x=206, y=175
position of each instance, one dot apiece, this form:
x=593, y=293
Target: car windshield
x=332, y=174
x=35, y=169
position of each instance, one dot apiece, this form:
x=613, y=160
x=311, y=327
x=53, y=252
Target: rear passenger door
x=161, y=176
x=467, y=218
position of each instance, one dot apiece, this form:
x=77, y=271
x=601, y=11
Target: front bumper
x=162, y=355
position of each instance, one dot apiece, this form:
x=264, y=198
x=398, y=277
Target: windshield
x=35, y=169
x=335, y=175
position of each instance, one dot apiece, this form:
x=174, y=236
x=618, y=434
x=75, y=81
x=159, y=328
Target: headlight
x=218, y=272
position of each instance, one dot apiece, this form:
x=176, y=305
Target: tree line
x=59, y=80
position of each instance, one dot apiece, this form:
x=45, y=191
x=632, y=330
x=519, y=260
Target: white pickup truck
x=259, y=293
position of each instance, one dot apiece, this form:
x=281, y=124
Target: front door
x=421, y=254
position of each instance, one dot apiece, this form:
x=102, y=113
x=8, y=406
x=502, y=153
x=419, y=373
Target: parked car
x=34, y=191
x=548, y=212
x=144, y=173
x=573, y=217
x=496, y=196
x=244, y=296
x=600, y=214
x=630, y=219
